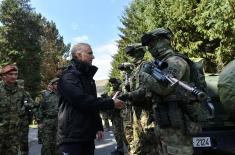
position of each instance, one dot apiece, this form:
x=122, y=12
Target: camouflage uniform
x=13, y=102
x=117, y=121
x=38, y=100
x=105, y=115
x=105, y=118
x=11, y=108
x=49, y=110
x=176, y=112
x=143, y=126
x=28, y=109
x=127, y=113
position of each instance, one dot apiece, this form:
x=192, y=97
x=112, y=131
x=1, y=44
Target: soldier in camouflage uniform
x=127, y=113
x=176, y=112
x=143, y=126
x=28, y=109
x=105, y=115
x=48, y=119
x=117, y=121
x=12, y=106
x=38, y=100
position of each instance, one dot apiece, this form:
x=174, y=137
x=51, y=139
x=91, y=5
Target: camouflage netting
x=226, y=88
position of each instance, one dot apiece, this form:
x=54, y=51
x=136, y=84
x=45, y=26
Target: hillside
x=100, y=86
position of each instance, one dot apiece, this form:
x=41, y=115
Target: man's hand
x=118, y=104
x=100, y=135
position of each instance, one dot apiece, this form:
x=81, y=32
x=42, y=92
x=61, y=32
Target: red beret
x=9, y=68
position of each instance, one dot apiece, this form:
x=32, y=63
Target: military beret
x=54, y=80
x=8, y=68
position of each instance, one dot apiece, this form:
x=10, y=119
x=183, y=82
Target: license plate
x=201, y=142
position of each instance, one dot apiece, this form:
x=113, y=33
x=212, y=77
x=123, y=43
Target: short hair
x=79, y=47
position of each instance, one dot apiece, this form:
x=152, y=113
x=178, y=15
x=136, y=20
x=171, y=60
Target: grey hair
x=79, y=47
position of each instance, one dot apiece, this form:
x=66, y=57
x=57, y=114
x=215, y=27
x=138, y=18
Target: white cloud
x=83, y=38
x=103, y=57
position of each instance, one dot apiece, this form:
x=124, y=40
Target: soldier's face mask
x=158, y=46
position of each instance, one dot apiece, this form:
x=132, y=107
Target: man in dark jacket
x=79, y=121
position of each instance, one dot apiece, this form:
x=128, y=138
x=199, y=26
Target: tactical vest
x=176, y=110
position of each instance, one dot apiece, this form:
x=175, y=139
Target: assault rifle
x=169, y=79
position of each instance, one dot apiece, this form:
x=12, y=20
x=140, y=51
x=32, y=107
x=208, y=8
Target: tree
x=53, y=49
x=201, y=28
x=22, y=29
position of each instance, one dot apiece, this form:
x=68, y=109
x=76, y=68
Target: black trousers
x=78, y=148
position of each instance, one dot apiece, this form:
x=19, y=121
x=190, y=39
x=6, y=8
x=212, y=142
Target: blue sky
x=93, y=21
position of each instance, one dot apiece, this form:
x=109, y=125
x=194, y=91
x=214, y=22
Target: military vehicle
x=218, y=132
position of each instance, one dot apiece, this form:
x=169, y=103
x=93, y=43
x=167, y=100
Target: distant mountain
x=100, y=86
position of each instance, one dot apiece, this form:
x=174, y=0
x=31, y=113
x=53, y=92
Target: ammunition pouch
x=161, y=115
x=175, y=115
x=186, y=104
x=169, y=115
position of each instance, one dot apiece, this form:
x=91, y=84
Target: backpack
x=197, y=75
x=226, y=88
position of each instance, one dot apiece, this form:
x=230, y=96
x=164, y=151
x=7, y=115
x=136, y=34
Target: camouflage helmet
x=132, y=49
x=156, y=33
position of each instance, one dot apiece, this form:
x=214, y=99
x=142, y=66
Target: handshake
x=119, y=101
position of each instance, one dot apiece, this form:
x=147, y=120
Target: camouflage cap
x=53, y=81
x=155, y=34
x=8, y=68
